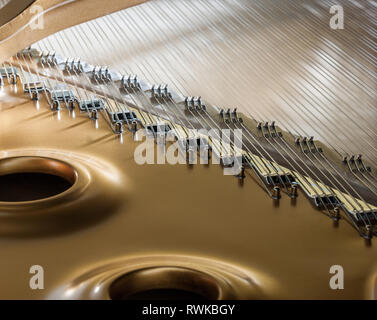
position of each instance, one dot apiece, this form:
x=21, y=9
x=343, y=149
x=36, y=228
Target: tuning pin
x=190, y=156
x=119, y=127
x=221, y=113
x=71, y=104
x=369, y=229
x=134, y=126
x=337, y=213
x=12, y=78
x=93, y=114
x=277, y=193
x=55, y=105
x=241, y=175
x=297, y=141
x=294, y=190
x=34, y=95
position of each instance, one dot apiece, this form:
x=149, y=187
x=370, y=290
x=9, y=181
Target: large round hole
x=33, y=178
x=165, y=283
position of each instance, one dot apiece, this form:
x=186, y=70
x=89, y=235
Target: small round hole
x=164, y=283
x=33, y=178
x=164, y=294
x=28, y=186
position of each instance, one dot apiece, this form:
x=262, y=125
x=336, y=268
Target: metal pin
x=134, y=126
x=294, y=191
x=369, y=231
x=277, y=192
x=93, y=115
x=119, y=127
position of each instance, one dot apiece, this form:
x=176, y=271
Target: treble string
x=289, y=150
x=146, y=98
x=341, y=186
x=229, y=127
x=293, y=67
x=177, y=108
x=89, y=94
x=94, y=87
x=165, y=71
x=61, y=72
x=249, y=140
x=119, y=107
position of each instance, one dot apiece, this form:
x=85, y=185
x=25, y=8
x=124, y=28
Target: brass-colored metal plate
x=174, y=212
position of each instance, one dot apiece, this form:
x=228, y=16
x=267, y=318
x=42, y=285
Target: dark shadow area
x=29, y=186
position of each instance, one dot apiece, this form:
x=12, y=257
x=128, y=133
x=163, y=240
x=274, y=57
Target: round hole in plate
x=34, y=178
x=165, y=283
